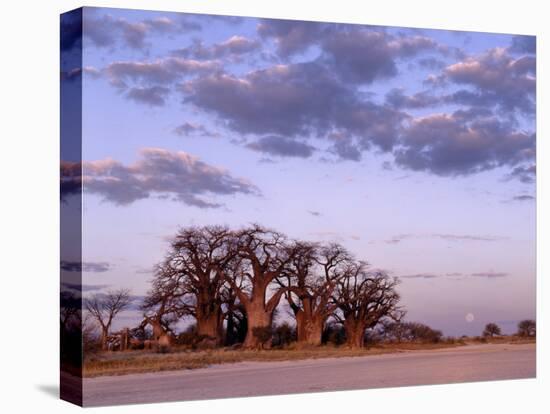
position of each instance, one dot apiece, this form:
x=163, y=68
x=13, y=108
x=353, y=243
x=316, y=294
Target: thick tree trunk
x=314, y=331
x=210, y=325
x=300, y=326
x=209, y=321
x=355, y=333
x=104, y=335
x=258, y=317
x=309, y=329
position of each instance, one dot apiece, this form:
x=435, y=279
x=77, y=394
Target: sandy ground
x=452, y=365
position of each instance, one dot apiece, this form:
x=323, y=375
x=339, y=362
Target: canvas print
x=253, y=206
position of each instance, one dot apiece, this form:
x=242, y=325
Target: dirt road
x=463, y=364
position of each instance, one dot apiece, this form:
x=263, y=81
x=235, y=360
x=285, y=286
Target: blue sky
x=413, y=148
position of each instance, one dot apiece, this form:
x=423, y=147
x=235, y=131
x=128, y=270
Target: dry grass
x=131, y=362
x=511, y=339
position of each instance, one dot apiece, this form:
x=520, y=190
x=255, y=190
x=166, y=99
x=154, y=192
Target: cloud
x=363, y=55
x=108, y=31
x=159, y=72
x=76, y=73
x=334, y=236
x=431, y=63
x=149, y=82
x=445, y=236
x=281, y=146
x=452, y=145
x=193, y=129
x=70, y=178
x=280, y=110
x=467, y=237
x=420, y=276
x=290, y=37
x=490, y=275
x=497, y=79
x=523, y=197
x=345, y=146
x=357, y=54
x=232, y=48
x=397, y=99
x=525, y=174
x=83, y=288
x=296, y=100
x=92, y=267
x=152, y=96
x=162, y=173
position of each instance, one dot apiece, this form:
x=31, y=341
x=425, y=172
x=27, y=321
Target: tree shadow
x=50, y=389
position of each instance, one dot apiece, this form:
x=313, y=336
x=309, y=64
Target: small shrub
x=334, y=334
x=263, y=334
x=372, y=337
x=283, y=335
x=450, y=340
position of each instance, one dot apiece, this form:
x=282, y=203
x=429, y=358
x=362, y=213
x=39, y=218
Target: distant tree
x=394, y=331
x=423, y=333
x=491, y=329
x=104, y=308
x=527, y=327
x=409, y=331
x=160, y=311
x=365, y=298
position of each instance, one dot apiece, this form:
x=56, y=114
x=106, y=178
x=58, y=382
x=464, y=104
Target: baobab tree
x=104, y=308
x=162, y=306
x=192, y=276
x=262, y=256
x=365, y=299
x=311, y=279
x=491, y=329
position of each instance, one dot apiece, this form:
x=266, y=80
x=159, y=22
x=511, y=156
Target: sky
x=414, y=148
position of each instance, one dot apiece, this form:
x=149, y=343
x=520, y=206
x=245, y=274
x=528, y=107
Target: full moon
x=469, y=317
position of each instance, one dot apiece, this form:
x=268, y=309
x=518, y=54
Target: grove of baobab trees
x=214, y=273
